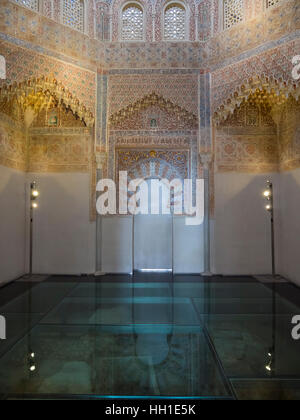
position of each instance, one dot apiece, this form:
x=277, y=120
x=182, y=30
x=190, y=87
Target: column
x=153, y=26
x=100, y=163
x=206, y=160
x=197, y=26
x=110, y=16
x=206, y=155
x=101, y=114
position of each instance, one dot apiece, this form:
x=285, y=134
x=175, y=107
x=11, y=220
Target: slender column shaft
x=207, y=268
x=98, y=232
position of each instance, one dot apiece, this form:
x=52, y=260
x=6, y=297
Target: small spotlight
x=34, y=205
x=35, y=193
x=270, y=364
x=267, y=193
x=269, y=368
x=32, y=355
x=32, y=368
x=268, y=207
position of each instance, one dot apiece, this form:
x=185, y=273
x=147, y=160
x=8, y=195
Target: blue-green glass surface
x=150, y=336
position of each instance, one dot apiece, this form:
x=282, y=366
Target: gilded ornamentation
x=178, y=161
x=265, y=92
x=251, y=115
x=57, y=116
x=151, y=93
x=150, y=101
x=42, y=93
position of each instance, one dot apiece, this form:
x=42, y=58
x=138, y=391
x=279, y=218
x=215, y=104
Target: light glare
x=35, y=193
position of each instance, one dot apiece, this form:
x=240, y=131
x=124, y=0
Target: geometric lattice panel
x=132, y=24
x=48, y=9
x=233, y=12
x=175, y=23
x=31, y=4
x=73, y=14
x=271, y=3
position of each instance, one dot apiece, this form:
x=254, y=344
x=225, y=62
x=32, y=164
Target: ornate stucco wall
x=261, y=29
x=153, y=106
x=110, y=78
x=12, y=144
x=290, y=136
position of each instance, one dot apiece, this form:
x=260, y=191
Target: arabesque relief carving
x=38, y=94
x=154, y=100
x=266, y=92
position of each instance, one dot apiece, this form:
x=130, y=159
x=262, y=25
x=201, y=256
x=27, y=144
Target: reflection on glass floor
x=139, y=336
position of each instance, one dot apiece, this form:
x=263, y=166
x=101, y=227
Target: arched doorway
x=153, y=233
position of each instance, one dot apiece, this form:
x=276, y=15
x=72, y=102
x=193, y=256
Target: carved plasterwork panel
x=147, y=163
x=39, y=94
x=290, y=136
x=12, y=145
x=254, y=154
x=169, y=111
x=57, y=116
x=250, y=115
x=137, y=141
x=156, y=118
x=60, y=153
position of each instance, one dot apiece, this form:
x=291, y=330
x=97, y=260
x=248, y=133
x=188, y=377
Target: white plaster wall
x=64, y=236
x=116, y=244
x=289, y=244
x=241, y=241
x=188, y=247
x=12, y=224
x=153, y=242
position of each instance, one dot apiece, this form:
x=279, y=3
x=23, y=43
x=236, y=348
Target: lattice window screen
x=73, y=14
x=31, y=4
x=233, y=12
x=132, y=24
x=47, y=9
x=271, y=3
x=103, y=24
x=174, y=23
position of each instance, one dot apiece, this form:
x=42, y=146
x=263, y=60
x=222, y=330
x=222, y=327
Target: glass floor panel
x=17, y=325
x=123, y=311
x=276, y=390
x=222, y=291
x=126, y=361
x=149, y=336
x=39, y=299
x=243, y=343
x=121, y=290
x=244, y=306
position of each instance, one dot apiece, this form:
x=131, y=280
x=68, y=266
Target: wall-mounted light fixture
x=31, y=362
x=270, y=364
x=34, y=194
x=269, y=196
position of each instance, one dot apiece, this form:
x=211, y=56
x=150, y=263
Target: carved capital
x=101, y=160
x=205, y=135
x=276, y=114
x=206, y=159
